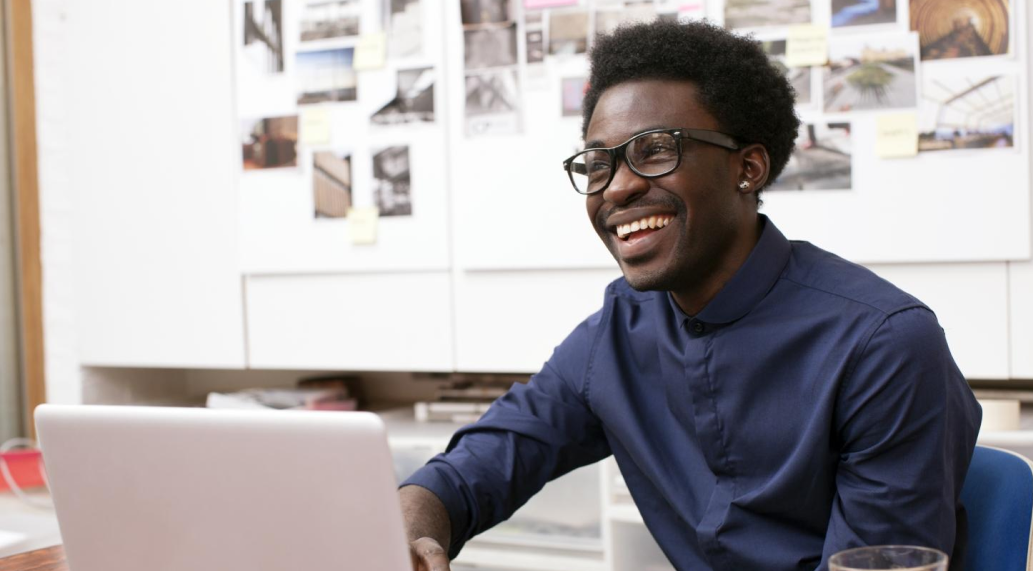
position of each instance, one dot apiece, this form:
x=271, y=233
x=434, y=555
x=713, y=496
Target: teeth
x=646, y=223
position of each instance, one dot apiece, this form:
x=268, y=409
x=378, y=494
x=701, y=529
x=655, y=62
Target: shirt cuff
x=441, y=480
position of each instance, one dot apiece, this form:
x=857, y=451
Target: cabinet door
x=359, y=322
x=146, y=150
x=971, y=304
x=1020, y=299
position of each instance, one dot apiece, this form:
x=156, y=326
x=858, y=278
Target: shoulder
x=824, y=275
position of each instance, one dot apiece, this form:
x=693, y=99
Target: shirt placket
x=710, y=432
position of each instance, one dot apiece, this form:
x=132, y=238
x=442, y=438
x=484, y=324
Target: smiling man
x=768, y=403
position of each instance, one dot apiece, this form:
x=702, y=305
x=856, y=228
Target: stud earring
x=744, y=185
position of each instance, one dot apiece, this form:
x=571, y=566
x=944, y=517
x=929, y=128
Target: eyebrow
x=596, y=144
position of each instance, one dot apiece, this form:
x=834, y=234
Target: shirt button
x=697, y=327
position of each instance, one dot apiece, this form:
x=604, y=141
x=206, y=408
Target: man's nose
x=626, y=185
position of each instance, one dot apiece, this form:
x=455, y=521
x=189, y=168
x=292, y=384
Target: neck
x=693, y=298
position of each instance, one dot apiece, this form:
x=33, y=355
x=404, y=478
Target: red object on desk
x=25, y=467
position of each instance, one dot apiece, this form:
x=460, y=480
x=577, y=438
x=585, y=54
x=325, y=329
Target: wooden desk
x=48, y=559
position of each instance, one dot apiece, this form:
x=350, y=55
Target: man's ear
x=754, y=167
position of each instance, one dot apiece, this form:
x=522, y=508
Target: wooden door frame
x=24, y=166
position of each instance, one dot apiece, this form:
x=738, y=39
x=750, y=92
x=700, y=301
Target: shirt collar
x=751, y=282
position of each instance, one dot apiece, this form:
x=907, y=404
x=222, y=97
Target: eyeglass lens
x=651, y=154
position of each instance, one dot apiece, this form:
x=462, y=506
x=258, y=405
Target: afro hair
x=750, y=98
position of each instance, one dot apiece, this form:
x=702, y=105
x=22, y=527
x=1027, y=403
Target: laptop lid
x=173, y=489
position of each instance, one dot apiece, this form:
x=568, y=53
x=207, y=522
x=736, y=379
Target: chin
x=644, y=280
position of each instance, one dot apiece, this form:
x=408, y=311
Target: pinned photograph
x=404, y=28
x=761, y=13
x=568, y=32
x=270, y=142
x=492, y=103
x=961, y=28
x=573, y=95
x=607, y=20
x=863, y=12
x=490, y=47
x=391, y=185
x=872, y=72
x=820, y=161
x=414, y=102
x=535, y=46
x=485, y=11
x=326, y=75
x=263, y=35
x=799, y=77
x=331, y=184
x=967, y=113
x=330, y=19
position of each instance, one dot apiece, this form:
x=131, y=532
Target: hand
x=428, y=555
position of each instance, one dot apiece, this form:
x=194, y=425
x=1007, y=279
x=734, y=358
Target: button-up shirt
x=810, y=407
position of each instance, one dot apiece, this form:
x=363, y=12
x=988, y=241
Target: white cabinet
x=358, y=322
x=147, y=148
x=511, y=321
x=1020, y=299
x=971, y=304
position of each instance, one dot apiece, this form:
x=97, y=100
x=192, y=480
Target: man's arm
x=906, y=424
x=534, y=433
x=426, y=527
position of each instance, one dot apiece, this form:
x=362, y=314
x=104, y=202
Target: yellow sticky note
x=896, y=135
x=807, y=45
x=315, y=126
x=362, y=224
x=370, y=52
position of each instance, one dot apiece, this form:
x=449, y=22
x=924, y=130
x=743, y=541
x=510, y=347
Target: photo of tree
x=961, y=28
x=871, y=73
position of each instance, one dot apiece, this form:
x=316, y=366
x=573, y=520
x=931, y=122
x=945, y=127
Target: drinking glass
x=881, y=557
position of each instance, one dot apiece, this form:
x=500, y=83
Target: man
x=768, y=403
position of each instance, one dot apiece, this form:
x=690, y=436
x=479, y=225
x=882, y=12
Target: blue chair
x=998, y=496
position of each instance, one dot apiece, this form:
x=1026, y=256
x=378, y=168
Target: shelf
x=624, y=513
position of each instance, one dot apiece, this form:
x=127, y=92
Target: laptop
x=175, y=489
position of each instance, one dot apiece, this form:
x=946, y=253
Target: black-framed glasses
x=651, y=154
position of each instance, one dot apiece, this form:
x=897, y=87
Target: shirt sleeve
x=533, y=434
x=906, y=424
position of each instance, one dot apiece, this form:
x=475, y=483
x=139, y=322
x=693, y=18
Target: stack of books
x=462, y=401
x=320, y=393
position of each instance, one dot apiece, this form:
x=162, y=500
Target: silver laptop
x=176, y=489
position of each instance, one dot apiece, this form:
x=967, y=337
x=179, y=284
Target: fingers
x=428, y=555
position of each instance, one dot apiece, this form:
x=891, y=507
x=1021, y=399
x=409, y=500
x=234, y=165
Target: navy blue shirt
x=810, y=407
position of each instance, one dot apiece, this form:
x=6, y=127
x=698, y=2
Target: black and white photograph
x=490, y=46
x=263, y=35
x=820, y=161
x=573, y=95
x=485, y=11
x=535, y=46
x=873, y=72
x=326, y=76
x=967, y=113
x=492, y=102
x=404, y=28
x=951, y=29
x=568, y=32
x=414, y=102
x=331, y=184
x=799, y=77
x=607, y=19
x=863, y=12
x=270, y=142
x=762, y=13
x=330, y=19
x=392, y=190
